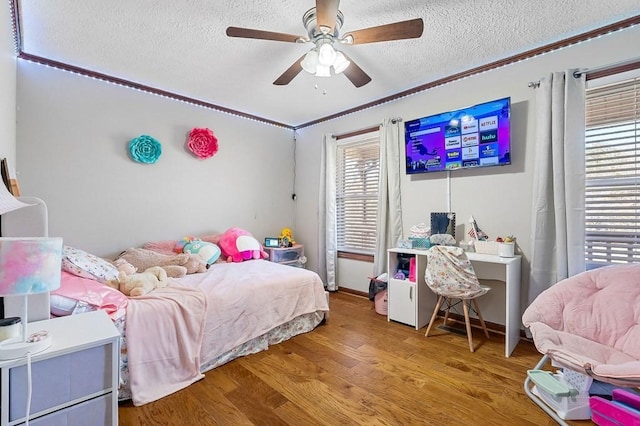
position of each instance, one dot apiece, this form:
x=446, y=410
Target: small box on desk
x=486, y=247
x=420, y=243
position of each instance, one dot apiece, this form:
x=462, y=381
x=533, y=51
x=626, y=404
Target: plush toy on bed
x=206, y=251
x=175, y=266
x=124, y=266
x=141, y=283
x=238, y=245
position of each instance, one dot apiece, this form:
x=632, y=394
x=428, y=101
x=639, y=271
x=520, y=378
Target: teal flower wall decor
x=145, y=149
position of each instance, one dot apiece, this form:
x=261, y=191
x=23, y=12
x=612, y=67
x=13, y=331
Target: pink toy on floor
x=238, y=245
x=624, y=409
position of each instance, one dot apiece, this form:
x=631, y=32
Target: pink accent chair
x=590, y=323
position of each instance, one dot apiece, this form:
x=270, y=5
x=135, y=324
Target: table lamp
x=28, y=266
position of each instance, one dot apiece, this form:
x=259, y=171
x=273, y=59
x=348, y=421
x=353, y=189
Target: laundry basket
x=381, y=302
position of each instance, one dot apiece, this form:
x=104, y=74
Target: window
x=612, y=193
x=357, y=175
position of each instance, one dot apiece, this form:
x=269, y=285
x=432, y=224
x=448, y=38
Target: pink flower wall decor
x=202, y=143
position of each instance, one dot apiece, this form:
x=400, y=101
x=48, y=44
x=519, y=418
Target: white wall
x=71, y=151
x=7, y=89
x=73, y=134
x=499, y=198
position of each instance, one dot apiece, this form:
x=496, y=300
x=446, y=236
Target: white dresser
x=74, y=382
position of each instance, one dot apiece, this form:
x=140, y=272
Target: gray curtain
x=389, y=215
x=558, y=189
x=327, y=239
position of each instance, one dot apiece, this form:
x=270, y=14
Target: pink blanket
x=246, y=300
x=172, y=315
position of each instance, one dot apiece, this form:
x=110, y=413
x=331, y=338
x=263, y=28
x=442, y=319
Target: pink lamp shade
x=29, y=265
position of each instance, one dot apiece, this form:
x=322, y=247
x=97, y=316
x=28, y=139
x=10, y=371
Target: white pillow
x=62, y=306
x=86, y=265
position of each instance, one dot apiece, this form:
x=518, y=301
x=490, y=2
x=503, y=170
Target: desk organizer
x=486, y=247
x=420, y=243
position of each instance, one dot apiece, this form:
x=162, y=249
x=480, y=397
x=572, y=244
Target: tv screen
x=476, y=136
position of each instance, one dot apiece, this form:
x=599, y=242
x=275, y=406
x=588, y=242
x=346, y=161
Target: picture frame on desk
x=443, y=223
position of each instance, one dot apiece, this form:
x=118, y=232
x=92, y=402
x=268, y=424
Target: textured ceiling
x=181, y=46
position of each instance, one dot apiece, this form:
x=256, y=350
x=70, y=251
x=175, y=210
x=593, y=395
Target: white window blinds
x=612, y=193
x=357, y=178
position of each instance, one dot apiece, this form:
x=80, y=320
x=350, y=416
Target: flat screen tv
x=476, y=136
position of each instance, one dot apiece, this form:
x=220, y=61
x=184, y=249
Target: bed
x=172, y=335
x=247, y=307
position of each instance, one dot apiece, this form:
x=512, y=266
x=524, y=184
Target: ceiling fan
x=323, y=23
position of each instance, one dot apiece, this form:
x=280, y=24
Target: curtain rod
x=606, y=70
x=599, y=72
x=358, y=132
x=364, y=131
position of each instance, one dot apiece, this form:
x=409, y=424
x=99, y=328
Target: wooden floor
x=359, y=369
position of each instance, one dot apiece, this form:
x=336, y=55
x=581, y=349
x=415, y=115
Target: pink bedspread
x=164, y=335
x=245, y=300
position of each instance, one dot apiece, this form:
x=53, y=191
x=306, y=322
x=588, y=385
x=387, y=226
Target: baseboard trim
x=354, y=292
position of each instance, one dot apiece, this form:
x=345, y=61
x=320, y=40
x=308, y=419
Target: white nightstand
x=74, y=382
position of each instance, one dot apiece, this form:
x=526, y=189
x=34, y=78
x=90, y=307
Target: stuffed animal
x=124, y=266
x=175, y=266
x=195, y=264
x=286, y=238
x=238, y=245
x=141, y=283
x=208, y=252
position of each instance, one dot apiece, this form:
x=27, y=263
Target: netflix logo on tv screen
x=476, y=136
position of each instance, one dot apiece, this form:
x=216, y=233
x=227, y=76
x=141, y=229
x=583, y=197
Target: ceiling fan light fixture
x=323, y=24
x=323, y=70
x=347, y=39
x=326, y=55
x=340, y=63
x=310, y=61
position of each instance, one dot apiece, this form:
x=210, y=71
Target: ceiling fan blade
x=326, y=12
x=290, y=73
x=397, y=31
x=355, y=74
x=263, y=35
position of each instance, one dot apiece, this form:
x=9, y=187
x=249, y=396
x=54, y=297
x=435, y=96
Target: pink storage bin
x=381, y=302
x=412, y=269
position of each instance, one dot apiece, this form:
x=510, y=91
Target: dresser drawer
x=95, y=412
x=61, y=380
x=286, y=255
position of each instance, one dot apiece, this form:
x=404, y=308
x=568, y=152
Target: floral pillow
x=86, y=265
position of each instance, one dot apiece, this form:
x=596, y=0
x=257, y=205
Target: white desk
x=410, y=302
x=512, y=297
